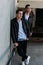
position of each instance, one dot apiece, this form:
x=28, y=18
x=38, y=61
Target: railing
x=11, y=55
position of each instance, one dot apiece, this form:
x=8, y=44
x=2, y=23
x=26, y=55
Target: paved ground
x=35, y=50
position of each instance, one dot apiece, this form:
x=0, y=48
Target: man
x=28, y=17
x=20, y=35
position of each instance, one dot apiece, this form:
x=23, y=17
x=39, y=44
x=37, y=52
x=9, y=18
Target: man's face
x=20, y=14
x=28, y=9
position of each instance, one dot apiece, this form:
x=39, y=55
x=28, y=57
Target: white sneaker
x=27, y=60
x=23, y=63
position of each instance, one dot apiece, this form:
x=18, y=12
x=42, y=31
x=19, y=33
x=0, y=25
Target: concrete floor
x=35, y=50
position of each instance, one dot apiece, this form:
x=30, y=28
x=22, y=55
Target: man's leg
x=26, y=58
x=20, y=49
x=24, y=47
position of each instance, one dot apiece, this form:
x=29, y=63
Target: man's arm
x=13, y=35
x=12, y=32
x=31, y=20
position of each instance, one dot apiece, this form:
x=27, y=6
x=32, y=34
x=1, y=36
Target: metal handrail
x=11, y=55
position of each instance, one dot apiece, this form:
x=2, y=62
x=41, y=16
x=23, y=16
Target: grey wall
x=4, y=30
x=7, y=12
x=12, y=9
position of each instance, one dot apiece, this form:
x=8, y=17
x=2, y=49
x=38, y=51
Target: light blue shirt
x=21, y=34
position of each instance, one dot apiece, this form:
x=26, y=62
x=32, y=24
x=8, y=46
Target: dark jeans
x=21, y=49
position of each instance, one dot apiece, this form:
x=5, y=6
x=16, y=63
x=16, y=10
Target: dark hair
x=18, y=10
x=27, y=5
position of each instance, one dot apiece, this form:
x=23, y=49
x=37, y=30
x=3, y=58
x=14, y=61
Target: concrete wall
x=7, y=12
x=4, y=31
x=33, y=3
x=13, y=4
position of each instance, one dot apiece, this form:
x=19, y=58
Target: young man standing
x=20, y=36
x=28, y=17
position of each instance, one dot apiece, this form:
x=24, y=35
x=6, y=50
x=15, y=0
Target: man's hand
x=30, y=33
x=27, y=39
x=15, y=44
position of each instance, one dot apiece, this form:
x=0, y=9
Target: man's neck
x=28, y=13
x=18, y=19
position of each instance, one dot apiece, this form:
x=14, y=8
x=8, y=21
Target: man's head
x=19, y=13
x=28, y=8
